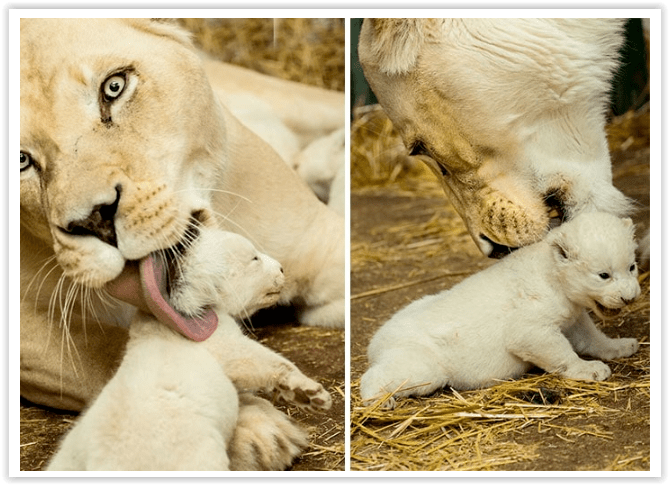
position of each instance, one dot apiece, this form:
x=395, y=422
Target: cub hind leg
x=265, y=438
x=402, y=372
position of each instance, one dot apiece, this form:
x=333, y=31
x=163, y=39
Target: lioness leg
x=67, y=369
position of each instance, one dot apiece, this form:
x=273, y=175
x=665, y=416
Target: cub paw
x=303, y=392
x=371, y=390
x=622, y=347
x=265, y=439
x=593, y=370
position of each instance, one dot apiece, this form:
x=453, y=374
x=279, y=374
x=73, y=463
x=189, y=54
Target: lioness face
x=503, y=113
x=118, y=142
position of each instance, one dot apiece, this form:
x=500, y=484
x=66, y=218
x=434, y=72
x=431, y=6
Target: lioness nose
x=99, y=223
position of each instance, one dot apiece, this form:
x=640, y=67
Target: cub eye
x=256, y=258
x=26, y=161
x=633, y=267
x=113, y=87
x=604, y=276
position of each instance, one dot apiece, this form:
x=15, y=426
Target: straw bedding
x=415, y=245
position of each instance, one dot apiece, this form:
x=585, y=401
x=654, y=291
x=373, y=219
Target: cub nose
x=99, y=223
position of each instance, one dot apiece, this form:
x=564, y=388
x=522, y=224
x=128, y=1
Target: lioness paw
x=303, y=392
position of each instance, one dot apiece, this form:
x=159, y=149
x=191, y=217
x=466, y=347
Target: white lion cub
x=173, y=403
x=529, y=309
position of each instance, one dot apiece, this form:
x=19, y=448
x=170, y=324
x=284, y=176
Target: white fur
x=507, y=112
x=225, y=269
x=320, y=161
x=528, y=309
x=173, y=404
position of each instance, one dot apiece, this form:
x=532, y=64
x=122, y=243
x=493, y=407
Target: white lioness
x=173, y=404
x=123, y=142
x=508, y=113
x=529, y=309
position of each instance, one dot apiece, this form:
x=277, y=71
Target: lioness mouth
x=146, y=284
x=556, y=210
x=498, y=250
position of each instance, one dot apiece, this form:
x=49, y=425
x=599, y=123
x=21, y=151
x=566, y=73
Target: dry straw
x=503, y=427
x=477, y=430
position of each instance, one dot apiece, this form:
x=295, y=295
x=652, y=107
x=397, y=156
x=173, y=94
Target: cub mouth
x=605, y=312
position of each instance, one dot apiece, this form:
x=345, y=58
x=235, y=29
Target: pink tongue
x=146, y=288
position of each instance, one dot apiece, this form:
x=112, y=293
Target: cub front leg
x=252, y=366
x=548, y=348
x=587, y=339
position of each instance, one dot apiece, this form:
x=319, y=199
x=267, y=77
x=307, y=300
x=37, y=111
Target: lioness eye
x=26, y=161
x=604, y=276
x=418, y=148
x=113, y=87
x=633, y=267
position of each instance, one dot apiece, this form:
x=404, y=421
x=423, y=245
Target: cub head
x=505, y=114
x=594, y=256
x=120, y=140
x=225, y=269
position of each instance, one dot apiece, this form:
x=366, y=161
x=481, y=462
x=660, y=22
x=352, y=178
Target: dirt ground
x=413, y=214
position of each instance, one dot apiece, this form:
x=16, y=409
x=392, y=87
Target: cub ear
x=627, y=222
x=392, y=44
x=561, y=249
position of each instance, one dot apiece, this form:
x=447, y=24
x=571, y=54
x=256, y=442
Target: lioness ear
x=393, y=44
x=164, y=28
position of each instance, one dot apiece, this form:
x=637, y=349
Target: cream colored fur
x=319, y=165
x=286, y=122
x=173, y=403
x=508, y=113
x=163, y=151
x=529, y=309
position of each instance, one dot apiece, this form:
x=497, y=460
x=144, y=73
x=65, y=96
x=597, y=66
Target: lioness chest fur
x=529, y=309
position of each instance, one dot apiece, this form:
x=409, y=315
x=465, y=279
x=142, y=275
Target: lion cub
x=173, y=403
x=529, y=309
